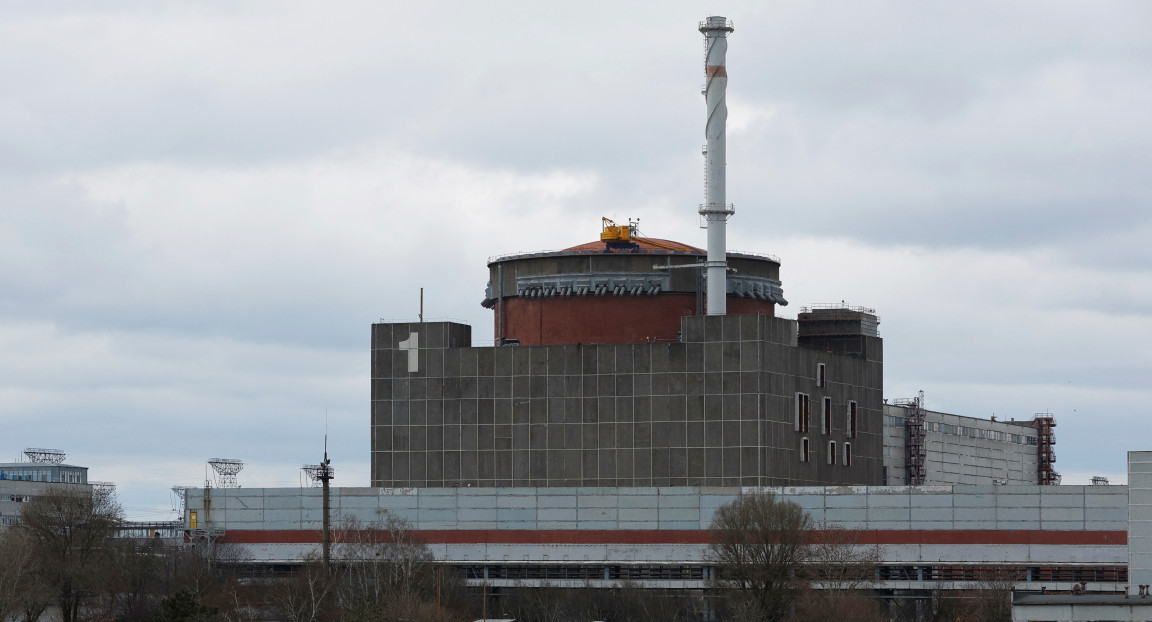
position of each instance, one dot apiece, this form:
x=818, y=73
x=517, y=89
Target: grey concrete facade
x=718, y=408
x=1087, y=607
x=674, y=520
x=868, y=508
x=15, y=493
x=962, y=450
x=1140, y=517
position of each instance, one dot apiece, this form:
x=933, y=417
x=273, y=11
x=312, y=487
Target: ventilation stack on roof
x=715, y=209
x=625, y=288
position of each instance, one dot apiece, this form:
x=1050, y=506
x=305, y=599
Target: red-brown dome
x=642, y=244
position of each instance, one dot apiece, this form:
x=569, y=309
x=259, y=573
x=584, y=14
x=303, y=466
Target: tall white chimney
x=715, y=209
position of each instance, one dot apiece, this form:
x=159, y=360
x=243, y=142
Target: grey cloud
x=996, y=127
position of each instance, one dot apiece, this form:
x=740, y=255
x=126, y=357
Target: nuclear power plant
x=638, y=361
x=636, y=384
x=606, y=373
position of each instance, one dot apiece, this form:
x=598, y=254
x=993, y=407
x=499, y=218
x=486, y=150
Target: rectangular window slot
x=803, y=412
x=851, y=420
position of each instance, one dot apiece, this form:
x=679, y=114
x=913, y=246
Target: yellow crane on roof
x=611, y=232
x=623, y=234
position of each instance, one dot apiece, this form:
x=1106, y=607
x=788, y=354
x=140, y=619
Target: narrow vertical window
x=831, y=452
x=802, y=412
x=807, y=413
x=827, y=415
x=847, y=454
x=819, y=374
x=804, y=449
x=851, y=420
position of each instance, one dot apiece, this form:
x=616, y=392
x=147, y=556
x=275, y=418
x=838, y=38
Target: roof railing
x=767, y=256
x=836, y=306
x=638, y=251
x=411, y=320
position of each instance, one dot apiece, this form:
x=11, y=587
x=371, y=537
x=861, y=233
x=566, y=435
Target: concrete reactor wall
x=721, y=408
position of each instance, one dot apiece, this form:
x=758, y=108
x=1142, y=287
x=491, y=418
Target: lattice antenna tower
x=44, y=456
x=179, y=496
x=226, y=470
x=317, y=472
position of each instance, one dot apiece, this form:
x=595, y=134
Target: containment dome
x=622, y=288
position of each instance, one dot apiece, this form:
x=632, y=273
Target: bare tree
x=204, y=573
x=22, y=594
x=544, y=603
x=622, y=602
x=379, y=570
x=69, y=530
x=183, y=606
x=758, y=543
x=201, y=565
x=838, y=571
x=65, y=553
x=991, y=598
x=132, y=580
x=14, y=572
x=627, y=601
x=307, y=595
x=238, y=600
x=384, y=569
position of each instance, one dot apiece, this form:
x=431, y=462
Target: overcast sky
x=204, y=206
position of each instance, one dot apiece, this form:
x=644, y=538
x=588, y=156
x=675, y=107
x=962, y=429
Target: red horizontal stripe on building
x=699, y=536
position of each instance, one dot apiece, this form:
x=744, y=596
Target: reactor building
x=636, y=361
x=633, y=361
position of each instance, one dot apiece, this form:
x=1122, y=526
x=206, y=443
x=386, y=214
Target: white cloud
x=205, y=206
